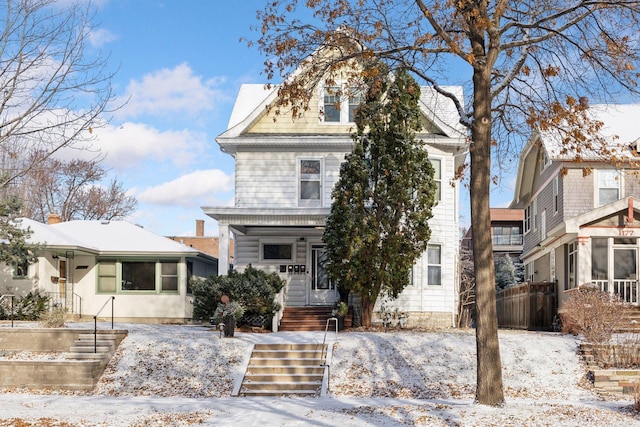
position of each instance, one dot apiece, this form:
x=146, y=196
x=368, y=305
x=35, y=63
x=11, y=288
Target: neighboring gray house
x=583, y=228
x=84, y=263
x=285, y=171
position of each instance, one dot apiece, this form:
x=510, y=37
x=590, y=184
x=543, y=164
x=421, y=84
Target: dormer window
x=339, y=104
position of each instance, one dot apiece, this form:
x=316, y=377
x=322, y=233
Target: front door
x=322, y=290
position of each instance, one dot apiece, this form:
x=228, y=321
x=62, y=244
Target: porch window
x=599, y=258
x=138, y=276
x=277, y=251
x=572, y=259
x=434, y=265
x=310, y=182
x=608, y=186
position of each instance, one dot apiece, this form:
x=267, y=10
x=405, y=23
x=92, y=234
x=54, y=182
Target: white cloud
x=99, y=37
x=131, y=143
x=170, y=91
x=195, y=189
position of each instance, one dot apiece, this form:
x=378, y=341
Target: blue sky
x=180, y=65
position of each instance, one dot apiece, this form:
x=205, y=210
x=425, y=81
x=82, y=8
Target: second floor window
x=310, y=182
x=608, y=186
x=437, y=177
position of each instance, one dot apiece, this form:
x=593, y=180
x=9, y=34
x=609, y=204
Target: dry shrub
x=53, y=318
x=636, y=396
x=595, y=314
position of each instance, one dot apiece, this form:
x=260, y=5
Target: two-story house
x=582, y=219
x=285, y=171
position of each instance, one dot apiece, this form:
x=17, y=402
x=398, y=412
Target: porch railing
x=627, y=290
x=71, y=302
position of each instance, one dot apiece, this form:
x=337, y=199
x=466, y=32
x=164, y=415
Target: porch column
x=223, y=249
x=584, y=260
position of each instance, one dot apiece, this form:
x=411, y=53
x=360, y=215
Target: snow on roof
x=104, y=237
x=250, y=96
x=619, y=130
x=440, y=107
x=45, y=234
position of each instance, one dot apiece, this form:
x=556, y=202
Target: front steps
x=285, y=369
x=86, y=347
x=308, y=318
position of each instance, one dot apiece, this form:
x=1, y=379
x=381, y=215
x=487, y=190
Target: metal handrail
x=12, y=298
x=95, y=322
x=322, y=354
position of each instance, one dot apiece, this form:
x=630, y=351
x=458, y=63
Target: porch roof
x=571, y=228
x=240, y=219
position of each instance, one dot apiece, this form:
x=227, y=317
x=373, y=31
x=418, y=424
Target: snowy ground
x=184, y=375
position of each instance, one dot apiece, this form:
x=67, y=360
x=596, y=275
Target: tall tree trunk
x=489, y=389
x=367, y=310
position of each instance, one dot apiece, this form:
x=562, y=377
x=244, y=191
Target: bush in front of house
x=30, y=307
x=595, y=314
x=253, y=288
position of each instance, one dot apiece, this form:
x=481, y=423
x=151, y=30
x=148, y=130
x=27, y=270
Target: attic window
x=339, y=103
x=544, y=159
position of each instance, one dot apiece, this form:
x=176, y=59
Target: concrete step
x=286, y=346
x=285, y=362
x=278, y=392
x=285, y=370
x=85, y=356
x=287, y=354
x=282, y=387
x=90, y=349
x=283, y=378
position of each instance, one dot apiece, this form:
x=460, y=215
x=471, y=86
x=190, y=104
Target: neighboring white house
x=83, y=264
x=584, y=228
x=285, y=171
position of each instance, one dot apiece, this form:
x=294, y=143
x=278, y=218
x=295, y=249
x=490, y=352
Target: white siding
x=270, y=180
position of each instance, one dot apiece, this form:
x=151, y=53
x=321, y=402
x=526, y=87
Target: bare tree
x=72, y=190
x=52, y=94
x=528, y=63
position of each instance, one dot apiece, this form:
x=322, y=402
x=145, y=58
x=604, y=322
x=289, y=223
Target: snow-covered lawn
x=169, y=375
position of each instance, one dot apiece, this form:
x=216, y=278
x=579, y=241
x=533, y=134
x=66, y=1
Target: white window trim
x=310, y=203
x=596, y=185
x=441, y=246
x=344, y=104
x=276, y=241
x=556, y=194
x=440, y=180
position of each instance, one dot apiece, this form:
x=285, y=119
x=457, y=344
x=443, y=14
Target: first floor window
x=434, y=265
x=107, y=276
x=169, y=276
x=277, y=251
x=132, y=276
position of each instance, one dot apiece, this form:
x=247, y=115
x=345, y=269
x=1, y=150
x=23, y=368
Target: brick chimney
x=54, y=218
x=199, y=227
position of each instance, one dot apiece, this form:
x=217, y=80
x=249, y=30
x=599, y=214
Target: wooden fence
x=530, y=306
